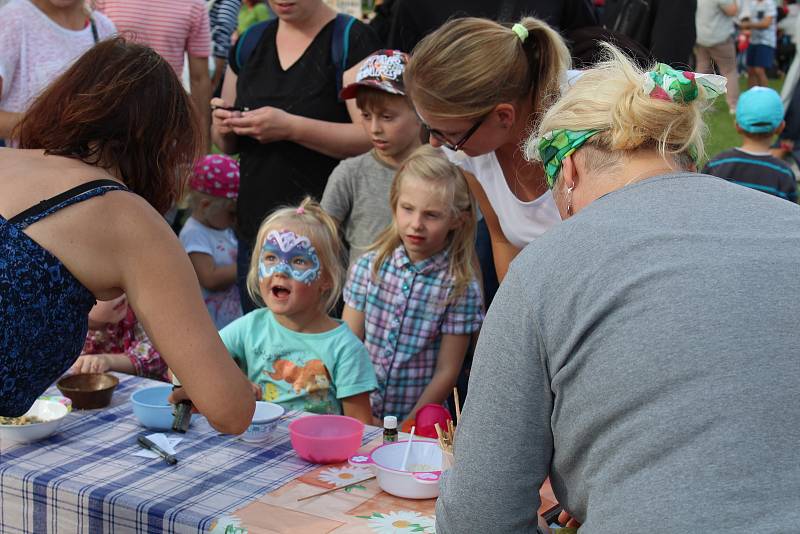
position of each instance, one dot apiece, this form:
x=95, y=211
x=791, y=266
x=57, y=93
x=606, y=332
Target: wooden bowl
x=88, y=391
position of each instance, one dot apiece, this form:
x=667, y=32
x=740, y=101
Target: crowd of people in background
x=372, y=202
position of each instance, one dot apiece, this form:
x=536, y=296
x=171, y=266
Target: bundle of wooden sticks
x=447, y=436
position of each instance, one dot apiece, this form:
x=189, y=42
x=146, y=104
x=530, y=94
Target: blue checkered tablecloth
x=85, y=478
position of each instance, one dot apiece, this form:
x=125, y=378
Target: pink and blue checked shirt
x=406, y=314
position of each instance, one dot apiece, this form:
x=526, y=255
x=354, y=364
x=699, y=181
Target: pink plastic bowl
x=326, y=439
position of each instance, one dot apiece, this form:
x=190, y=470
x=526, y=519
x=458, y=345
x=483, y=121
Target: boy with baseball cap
x=357, y=192
x=759, y=118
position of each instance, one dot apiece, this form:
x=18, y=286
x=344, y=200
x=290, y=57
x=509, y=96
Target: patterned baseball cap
x=216, y=175
x=382, y=70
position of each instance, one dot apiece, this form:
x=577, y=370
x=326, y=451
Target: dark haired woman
x=102, y=153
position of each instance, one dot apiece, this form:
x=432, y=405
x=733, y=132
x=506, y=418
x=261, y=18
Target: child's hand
x=90, y=363
x=256, y=390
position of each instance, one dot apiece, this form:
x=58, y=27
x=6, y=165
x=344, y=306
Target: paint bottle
x=390, y=429
x=182, y=411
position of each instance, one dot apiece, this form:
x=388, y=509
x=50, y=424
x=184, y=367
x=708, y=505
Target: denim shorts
x=760, y=55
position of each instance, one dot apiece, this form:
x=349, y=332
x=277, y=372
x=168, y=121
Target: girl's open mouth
x=280, y=292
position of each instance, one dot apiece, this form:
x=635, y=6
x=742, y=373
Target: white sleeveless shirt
x=521, y=222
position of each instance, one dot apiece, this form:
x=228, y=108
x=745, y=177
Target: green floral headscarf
x=556, y=145
x=666, y=83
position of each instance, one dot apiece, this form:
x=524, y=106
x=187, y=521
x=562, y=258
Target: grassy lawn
x=721, y=130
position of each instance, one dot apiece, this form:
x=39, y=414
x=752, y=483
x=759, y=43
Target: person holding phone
x=760, y=17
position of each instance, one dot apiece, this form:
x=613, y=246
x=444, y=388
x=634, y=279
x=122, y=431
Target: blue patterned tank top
x=43, y=308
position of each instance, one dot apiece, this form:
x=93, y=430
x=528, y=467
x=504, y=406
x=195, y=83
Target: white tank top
x=521, y=222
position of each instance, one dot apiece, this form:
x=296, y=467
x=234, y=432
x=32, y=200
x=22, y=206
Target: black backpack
x=633, y=20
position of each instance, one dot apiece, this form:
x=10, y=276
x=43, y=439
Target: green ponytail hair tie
x=521, y=31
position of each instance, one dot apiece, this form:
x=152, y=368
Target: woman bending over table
x=479, y=86
x=103, y=152
x=653, y=368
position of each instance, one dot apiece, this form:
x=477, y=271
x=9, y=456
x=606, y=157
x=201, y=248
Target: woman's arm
x=506, y=415
x=223, y=135
x=162, y=289
x=358, y=406
x=448, y=366
x=334, y=139
x=211, y=276
x=502, y=251
x=8, y=120
x=355, y=320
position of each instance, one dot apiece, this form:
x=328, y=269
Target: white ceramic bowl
x=52, y=413
x=265, y=420
x=420, y=481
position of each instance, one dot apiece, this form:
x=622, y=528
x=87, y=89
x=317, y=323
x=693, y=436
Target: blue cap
x=759, y=110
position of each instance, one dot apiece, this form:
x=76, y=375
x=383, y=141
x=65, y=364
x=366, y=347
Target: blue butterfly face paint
x=290, y=254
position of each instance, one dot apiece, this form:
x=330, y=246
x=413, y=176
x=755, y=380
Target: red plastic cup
x=428, y=416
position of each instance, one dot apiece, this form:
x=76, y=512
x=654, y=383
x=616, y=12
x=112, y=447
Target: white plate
x=52, y=413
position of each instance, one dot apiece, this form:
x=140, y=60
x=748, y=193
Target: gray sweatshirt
x=644, y=354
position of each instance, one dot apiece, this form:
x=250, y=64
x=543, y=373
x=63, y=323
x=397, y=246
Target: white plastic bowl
x=421, y=481
x=265, y=421
x=52, y=413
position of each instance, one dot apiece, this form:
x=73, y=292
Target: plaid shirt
x=129, y=337
x=406, y=315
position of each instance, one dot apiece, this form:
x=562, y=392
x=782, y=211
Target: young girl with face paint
x=415, y=298
x=295, y=354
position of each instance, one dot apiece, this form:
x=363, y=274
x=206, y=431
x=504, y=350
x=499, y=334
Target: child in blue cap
x=759, y=118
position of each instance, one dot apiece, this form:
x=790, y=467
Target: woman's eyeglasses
x=455, y=147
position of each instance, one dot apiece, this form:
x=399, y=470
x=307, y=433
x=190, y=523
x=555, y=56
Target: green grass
x=721, y=129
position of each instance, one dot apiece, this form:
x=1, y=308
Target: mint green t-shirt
x=299, y=371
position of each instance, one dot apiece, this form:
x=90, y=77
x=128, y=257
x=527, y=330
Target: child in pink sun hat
x=208, y=234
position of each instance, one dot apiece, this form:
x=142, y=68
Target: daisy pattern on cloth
x=344, y=475
x=401, y=523
x=216, y=175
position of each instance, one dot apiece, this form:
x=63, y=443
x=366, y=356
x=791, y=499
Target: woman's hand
x=91, y=363
x=219, y=116
x=256, y=390
x=567, y=521
x=266, y=124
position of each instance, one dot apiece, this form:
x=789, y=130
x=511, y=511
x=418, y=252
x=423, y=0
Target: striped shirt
x=406, y=315
x=170, y=28
x=224, y=17
x=757, y=171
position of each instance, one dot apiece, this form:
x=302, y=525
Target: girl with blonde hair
x=478, y=86
x=414, y=298
x=294, y=353
x=630, y=341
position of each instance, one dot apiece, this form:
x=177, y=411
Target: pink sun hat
x=216, y=175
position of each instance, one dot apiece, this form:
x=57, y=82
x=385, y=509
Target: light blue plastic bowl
x=151, y=408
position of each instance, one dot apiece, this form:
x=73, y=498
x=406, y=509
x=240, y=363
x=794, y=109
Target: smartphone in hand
x=231, y=108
